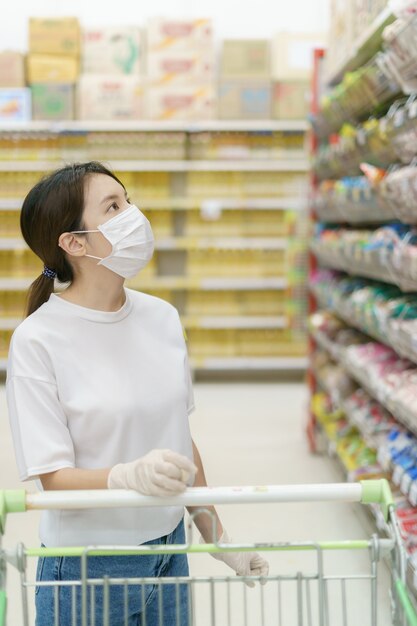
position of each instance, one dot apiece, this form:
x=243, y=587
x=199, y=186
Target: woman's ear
x=71, y=245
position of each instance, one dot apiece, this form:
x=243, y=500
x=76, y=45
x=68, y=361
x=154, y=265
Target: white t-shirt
x=90, y=389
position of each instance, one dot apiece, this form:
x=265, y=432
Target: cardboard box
x=54, y=36
x=181, y=103
x=52, y=69
x=180, y=68
x=245, y=58
x=244, y=100
x=15, y=105
x=110, y=97
x=12, y=69
x=53, y=102
x=165, y=34
x=290, y=100
x=292, y=55
x=113, y=50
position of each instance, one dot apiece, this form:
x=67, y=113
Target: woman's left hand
x=243, y=563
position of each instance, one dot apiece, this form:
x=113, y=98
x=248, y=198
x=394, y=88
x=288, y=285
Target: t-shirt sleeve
x=40, y=433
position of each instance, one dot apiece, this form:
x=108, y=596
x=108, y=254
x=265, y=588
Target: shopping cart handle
x=378, y=492
x=372, y=491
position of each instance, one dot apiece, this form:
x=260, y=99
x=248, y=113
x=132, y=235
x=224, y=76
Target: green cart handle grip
x=3, y=607
x=11, y=501
x=378, y=492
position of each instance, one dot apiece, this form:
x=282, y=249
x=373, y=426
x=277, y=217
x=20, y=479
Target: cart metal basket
x=310, y=597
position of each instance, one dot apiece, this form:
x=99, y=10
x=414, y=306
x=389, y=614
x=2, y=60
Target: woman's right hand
x=158, y=473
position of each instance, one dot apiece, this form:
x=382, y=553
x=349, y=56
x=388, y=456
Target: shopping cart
x=309, y=597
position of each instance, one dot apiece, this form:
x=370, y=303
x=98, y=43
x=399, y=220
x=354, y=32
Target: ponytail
x=39, y=293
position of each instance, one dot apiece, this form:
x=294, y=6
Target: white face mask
x=131, y=236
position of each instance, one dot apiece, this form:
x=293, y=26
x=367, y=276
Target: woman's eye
x=114, y=206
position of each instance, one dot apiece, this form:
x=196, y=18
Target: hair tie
x=49, y=273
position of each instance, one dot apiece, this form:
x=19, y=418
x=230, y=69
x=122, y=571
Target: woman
x=99, y=393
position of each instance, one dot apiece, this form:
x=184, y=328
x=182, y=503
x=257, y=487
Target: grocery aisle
x=248, y=433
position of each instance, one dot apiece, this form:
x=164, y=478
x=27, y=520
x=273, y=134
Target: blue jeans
x=133, y=605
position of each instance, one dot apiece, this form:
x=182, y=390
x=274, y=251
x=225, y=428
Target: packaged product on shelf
x=197, y=102
x=53, y=102
x=54, y=36
x=12, y=69
x=167, y=34
x=15, y=105
x=110, y=97
x=136, y=145
x=341, y=34
x=113, y=50
x=290, y=100
x=10, y=223
x=245, y=59
x=245, y=100
x=292, y=55
x=44, y=68
x=181, y=67
x=12, y=304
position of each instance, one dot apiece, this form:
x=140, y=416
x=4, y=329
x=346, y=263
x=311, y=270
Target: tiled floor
x=249, y=434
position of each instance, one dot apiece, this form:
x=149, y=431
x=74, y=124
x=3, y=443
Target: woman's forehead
x=99, y=186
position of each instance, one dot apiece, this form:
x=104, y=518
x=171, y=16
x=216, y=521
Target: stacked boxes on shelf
x=53, y=66
x=111, y=86
x=15, y=100
x=292, y=56
x=180, y=70
x=245, y=79
x=166, y=71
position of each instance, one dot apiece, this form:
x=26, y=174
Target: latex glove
x=158, y=473
x=243, y=563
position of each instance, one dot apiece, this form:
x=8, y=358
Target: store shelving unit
x=191, y=216
x=388, y=267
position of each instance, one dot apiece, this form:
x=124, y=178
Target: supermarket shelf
x=15, y=284
x=249, y=165
x=237, y=243
x=224, y=204
x=154, y=126
x=361, y=268
x=13, y=243
x=9, y=323
x=251, y=363
x=352, y=321
x=238, y=321
x=365, y=47
x=407, y=418
x=174, y=283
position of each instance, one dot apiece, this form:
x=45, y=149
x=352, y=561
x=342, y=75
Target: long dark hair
x=54, y=206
